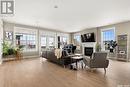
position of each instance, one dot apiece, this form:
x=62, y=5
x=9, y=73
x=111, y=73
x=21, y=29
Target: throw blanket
x=58, y=53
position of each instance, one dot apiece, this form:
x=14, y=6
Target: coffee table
x=77, y=54
x=77, y=59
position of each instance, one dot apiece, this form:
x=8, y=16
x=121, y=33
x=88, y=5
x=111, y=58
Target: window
x=43, y=41
x=77, y=39
x=107, y=36
x=47, y=42
x=28, y=41
x=31, y=41
x=51, y=41
x=63, y=40
x=22, y=40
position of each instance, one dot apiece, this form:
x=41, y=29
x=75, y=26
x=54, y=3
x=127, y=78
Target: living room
x=64, y=44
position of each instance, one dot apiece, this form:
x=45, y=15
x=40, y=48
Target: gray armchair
x=98, y=60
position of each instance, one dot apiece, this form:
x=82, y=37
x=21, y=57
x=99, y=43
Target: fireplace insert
x=88, y=51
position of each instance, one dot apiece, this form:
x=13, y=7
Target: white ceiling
x=71, y=15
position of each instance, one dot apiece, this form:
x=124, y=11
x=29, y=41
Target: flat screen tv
x=89, y=37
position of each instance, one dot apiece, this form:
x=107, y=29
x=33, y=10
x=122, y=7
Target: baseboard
x=37, y=56
x=13, y=59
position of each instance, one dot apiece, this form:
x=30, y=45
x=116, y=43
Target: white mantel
x=89, y=44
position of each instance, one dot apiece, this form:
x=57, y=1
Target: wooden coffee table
x=77, y=59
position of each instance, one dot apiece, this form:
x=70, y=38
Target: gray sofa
x=64, y=60
x=98, y=60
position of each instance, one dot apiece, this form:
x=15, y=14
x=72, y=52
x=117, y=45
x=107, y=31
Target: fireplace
x=88, y=48
x=88, y=51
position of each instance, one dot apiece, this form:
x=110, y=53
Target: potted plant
x=111, y=45
x=98, y=47
x=8, y=50
x=18, y=51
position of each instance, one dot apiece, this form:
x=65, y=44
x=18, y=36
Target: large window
x=77, y=39
x=63, y=41
x=43, y=41
x=107, y=36
x=51, y=41
x=47, y=42
x=28, y=41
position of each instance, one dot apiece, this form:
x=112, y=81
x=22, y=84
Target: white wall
x=1, y=39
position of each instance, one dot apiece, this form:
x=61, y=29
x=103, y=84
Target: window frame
x=53, y=40
x=47, y=42
x=26, y=41
x=75, y=38
x=102, y=41
x=41, y=41
x=62, y=43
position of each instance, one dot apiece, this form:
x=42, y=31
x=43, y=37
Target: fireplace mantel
x=89, y=44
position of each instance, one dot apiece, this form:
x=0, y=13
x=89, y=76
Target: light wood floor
x=41, y=73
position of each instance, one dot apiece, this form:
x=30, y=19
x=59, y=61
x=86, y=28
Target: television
x=89, y=37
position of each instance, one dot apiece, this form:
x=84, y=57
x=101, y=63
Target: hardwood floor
x=41, y=73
